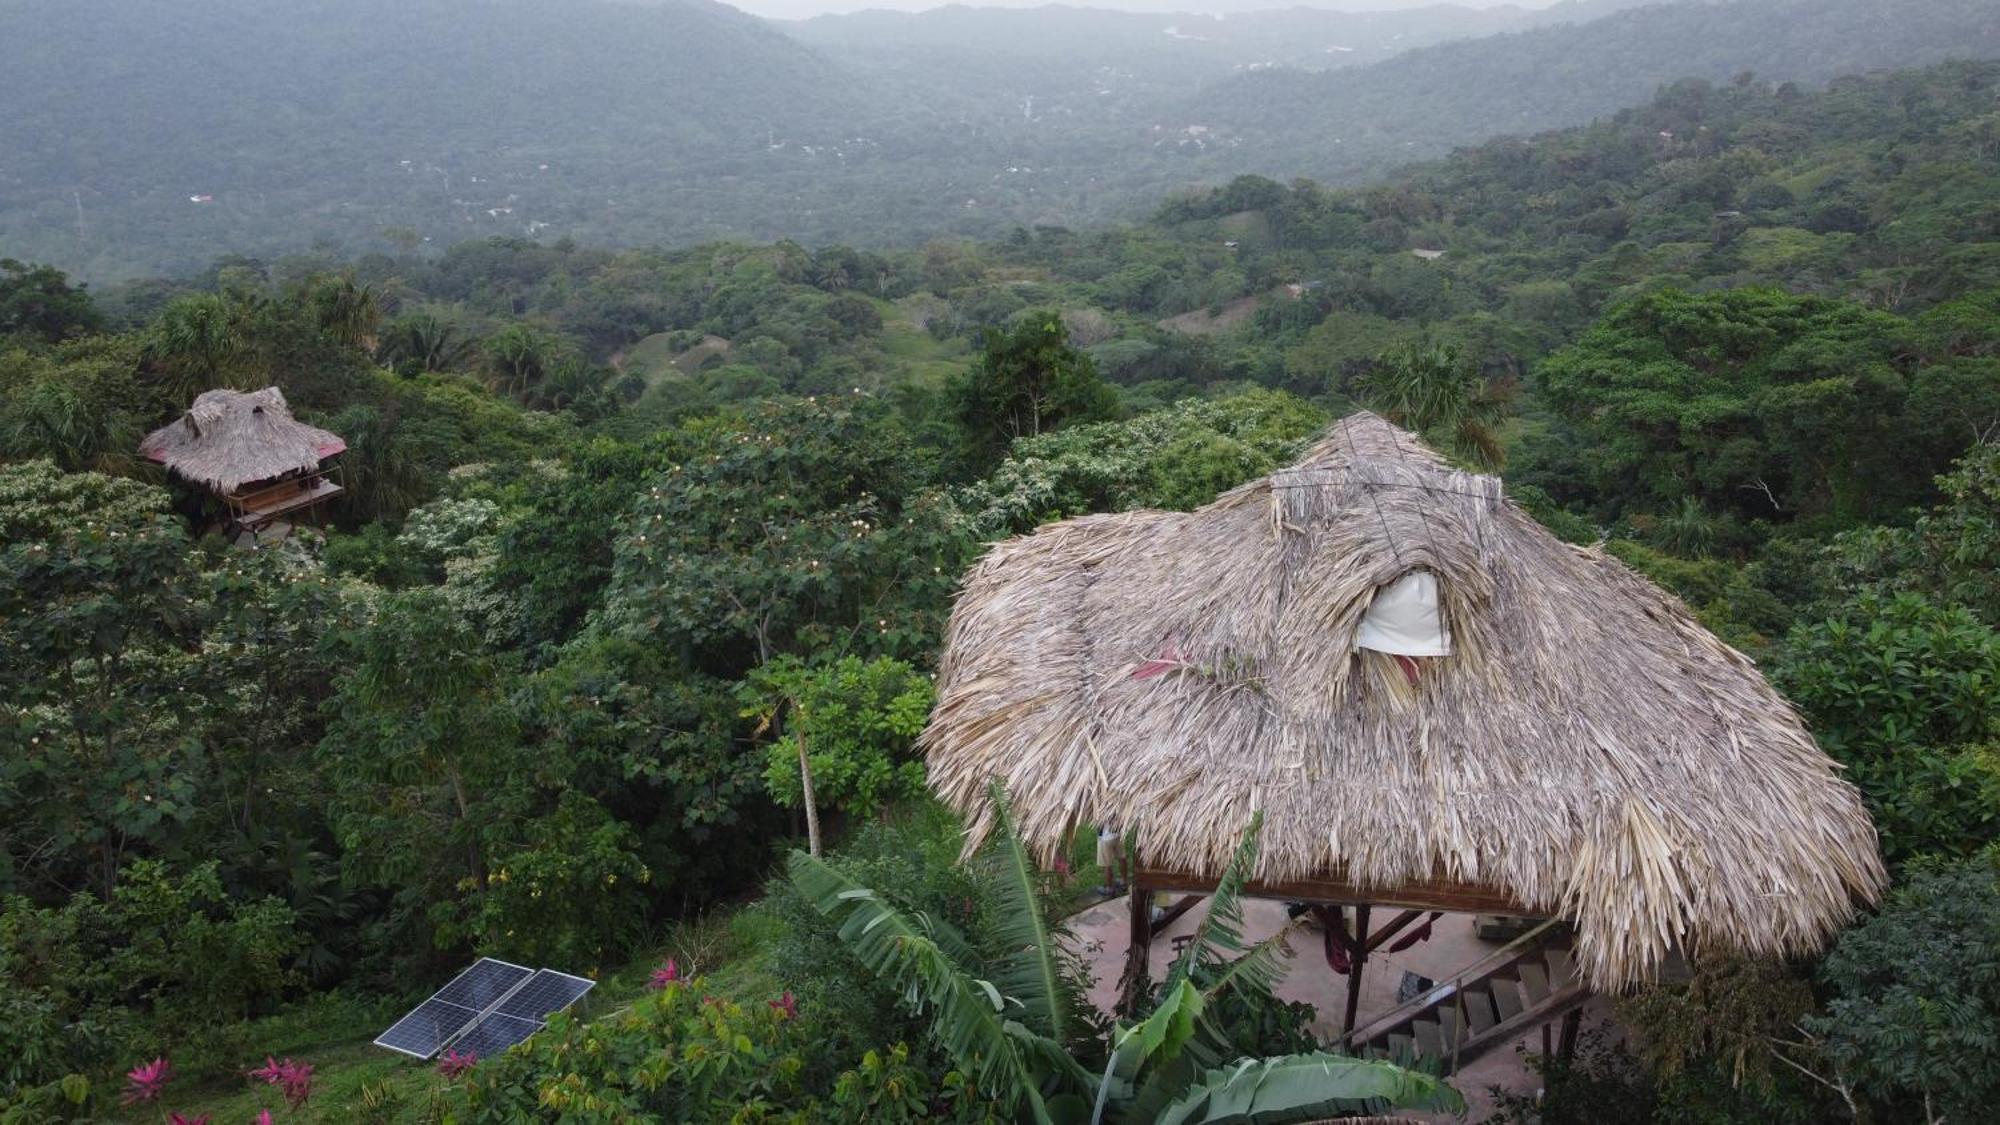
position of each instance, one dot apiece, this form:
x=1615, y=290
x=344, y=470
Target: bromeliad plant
x=1015, y=1022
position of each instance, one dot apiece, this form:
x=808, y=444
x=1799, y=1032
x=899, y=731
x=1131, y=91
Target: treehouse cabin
x=270, y=470
x=1434, y=705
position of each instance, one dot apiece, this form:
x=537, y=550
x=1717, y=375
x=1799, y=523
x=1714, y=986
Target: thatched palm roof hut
x=228, y=439
x=1586, y=749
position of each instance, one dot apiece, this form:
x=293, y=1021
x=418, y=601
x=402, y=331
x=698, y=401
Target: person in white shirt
x=1112, y=860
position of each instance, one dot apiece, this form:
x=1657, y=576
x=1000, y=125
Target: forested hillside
x=144, y=138
x=630, y=534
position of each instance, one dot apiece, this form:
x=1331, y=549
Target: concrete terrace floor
x=1099, y=933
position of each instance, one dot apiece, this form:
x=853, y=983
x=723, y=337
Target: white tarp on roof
x=1403, y=619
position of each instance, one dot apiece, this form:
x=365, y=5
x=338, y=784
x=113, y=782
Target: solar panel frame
x=544, y=994
x=448, y=1018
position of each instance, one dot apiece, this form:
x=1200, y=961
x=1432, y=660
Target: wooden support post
x=1566, y=1045
x=1138, y=952
x=1358, y=956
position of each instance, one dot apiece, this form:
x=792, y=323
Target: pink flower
x=453, y=1064
x=295, y=1078
x=263, y=1117
x=665, y=975
x=787, y=1005
x=1062, y=866
x=148, y=1080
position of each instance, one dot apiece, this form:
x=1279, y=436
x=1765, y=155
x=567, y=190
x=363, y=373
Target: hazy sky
x=801, y=9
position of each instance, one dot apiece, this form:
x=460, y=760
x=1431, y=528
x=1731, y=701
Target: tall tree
x=1027, y=380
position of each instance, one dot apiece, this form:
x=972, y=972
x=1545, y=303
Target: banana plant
x=1014, y=1022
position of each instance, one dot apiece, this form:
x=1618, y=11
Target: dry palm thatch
x=1586, y=747
x=228, y=439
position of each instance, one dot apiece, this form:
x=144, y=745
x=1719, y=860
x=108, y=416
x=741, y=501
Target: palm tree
x=345, y=311
x=198, y=343
x=519, y=357
x=1688, y=530
x=1431, y=389
x=1019, y=1034
x=424, y=341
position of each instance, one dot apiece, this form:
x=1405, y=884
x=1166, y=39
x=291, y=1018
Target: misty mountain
x=1292, y=121
x=144, y=136
x=310, y=118
x=1094, y=64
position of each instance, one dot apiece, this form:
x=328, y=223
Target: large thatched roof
x=1586, y=747
x=228, y=439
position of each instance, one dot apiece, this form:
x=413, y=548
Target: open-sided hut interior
x=247, y=449
x=1562, y=740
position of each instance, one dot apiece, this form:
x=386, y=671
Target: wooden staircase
x=1524, y=984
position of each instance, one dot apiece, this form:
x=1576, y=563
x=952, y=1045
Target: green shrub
x=1915, y=1007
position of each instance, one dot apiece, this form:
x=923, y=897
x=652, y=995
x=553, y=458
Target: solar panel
x=425, y=1029
x=545, y=994
x=453, y=1008
x=484, y=984
x=494, y=1034
x=484, y=1010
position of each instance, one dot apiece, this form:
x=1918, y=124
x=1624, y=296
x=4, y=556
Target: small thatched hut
x=246, y=447
x=1574, y=744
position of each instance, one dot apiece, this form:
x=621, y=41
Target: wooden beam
x=1395, y=925
x=1427, y=894
x=1172, y=913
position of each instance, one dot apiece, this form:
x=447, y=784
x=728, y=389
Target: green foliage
x=858, y=721
x=1180, y=457
x=1013, y=1043
x=1951, y=553
x=911, y=860
x=1902, y=692
x=677, y=1054
x=1749, y=400
x=1914, y=1006
x=691, y=1052
x=96, y=599
x=78, y=404
x=571, y=890
x=424, y=754
x=799, y=526
x=38, y=302
x=167, y=960
x=1733, y=1014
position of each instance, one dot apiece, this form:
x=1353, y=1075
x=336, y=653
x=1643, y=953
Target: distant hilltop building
x=1428, y=255
x=267, y=467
